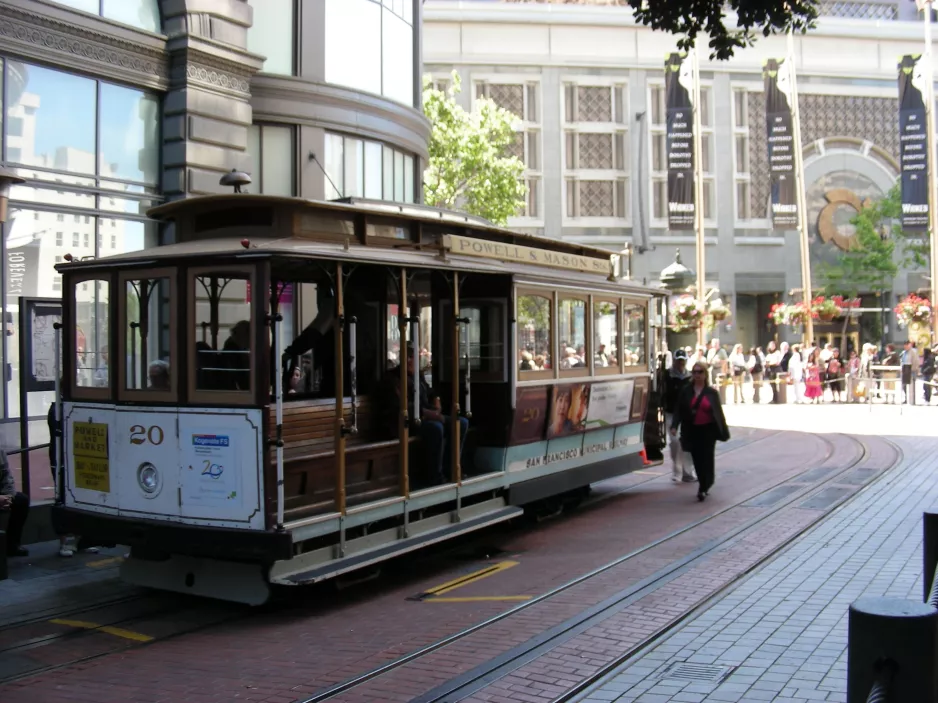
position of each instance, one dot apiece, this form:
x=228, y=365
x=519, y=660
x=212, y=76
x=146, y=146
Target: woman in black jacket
x=699, y=415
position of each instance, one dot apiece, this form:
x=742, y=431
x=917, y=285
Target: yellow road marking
x=475, y=599
x=470, y=578
x=104, y=562
x=116, y=631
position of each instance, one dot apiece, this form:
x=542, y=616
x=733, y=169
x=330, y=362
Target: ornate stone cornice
x=136, y=57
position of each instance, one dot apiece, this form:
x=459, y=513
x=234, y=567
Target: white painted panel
x=221, y=468
x=603, y=44
x=147, y=442
x=839, y=55
x=440, y=39
x=82, y=455
x=505, y=40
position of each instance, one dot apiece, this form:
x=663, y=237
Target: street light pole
x=808, y=296
x=698, y=198
x=926, y=7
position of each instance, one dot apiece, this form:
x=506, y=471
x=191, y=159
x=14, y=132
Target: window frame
x=551, y=297
x=294, y=170
x=617, y=369
x=70, y=282
x=215, y=397
x=587, y=334
x=643, y=305
x=143, y=395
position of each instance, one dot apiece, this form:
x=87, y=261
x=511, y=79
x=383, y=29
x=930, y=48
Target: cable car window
x=605, y=336
x=633, y=334
x=92, y=342
x=486, y=340
x=223, y=331
x=147, y=358
x=572, y=332
x=533, y=322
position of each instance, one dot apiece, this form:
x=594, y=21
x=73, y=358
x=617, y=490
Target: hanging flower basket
x=718, y=311
x=686, y=313
x=825, y=309
x=912, y=308
x=798, y=313
x=779, y=314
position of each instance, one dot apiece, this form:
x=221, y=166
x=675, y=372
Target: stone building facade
x=588, y=86
x=113, y=106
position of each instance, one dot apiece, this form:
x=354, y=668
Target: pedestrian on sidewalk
x=699, y=416
x=835, y=376
x=773, y=359
x=737, y=363
x=756, y=366
x=16, y=504
x=910, y=367
x=796, y=371
x=813, y=390
x=677, y=379
x=928, y=372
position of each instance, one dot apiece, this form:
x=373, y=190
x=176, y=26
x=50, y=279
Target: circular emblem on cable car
x=148, y=476
x=832, y=222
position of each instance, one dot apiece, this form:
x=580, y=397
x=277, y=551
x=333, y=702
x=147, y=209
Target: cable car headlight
x=149, y=479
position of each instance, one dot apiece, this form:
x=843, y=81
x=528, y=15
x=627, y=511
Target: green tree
x=469, y=167
x=881, y=246
x=689, y=18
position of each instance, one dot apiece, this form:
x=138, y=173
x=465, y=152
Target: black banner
x=780, y=133
x=678, y=86
x=913, y=141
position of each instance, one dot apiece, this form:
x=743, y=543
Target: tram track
x=86, y=610
x=464, y=685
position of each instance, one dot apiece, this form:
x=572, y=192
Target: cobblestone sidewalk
x=781, y=634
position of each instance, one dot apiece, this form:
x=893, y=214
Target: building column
x=207, y=110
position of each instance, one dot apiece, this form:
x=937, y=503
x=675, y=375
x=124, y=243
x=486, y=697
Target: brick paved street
x=784, y=628
x=281, y=655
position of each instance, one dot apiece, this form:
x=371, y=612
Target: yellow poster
x=90, y=450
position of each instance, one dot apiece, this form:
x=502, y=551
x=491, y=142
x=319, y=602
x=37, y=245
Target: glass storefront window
x=362, y=168
x=397, y=58
x=354, y=64
x=142, y=14
x=129, y=145
x=334, y=165
x=272, y=159
x=50, y=118
x=373, y=170
x=273, y=34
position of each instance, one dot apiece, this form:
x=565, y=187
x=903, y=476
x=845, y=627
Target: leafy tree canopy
x=880, y=248
x=469, y=167
x=688, y=18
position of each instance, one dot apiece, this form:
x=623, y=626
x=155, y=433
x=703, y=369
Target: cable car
x=295, y=389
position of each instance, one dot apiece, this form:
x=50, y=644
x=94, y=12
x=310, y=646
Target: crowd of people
x=818, y=373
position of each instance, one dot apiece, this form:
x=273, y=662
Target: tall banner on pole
x=781, y=142
x=913, y=144
x=678, y=87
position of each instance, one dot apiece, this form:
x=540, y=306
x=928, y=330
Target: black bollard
x=897, y=633
x=929, y=551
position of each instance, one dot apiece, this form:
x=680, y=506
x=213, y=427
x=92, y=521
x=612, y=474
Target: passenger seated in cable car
x=292, y=378
x=158, y=376
x=435, y=430
x=238, y=355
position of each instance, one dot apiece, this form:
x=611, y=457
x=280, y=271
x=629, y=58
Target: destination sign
x=469, y=246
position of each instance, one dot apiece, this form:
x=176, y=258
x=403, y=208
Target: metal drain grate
x=685, y=671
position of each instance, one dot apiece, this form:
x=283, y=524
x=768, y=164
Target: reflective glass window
x=388, y=173
x=50, y=118
x=571, y=329
x=633, y=334
x=334, y=165
x=408, y=179
x=272, y=159
x=149, y=365
x=129, y=146
x=354, y=168
x=92, y=367
x=533, y=327
x=273, y=34
x=143, y=14
x=373, y=170
x=397, y=58
x=355, y=64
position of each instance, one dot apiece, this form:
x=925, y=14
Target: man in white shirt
x=910, y=364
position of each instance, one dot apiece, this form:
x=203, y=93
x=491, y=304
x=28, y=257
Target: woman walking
x=737, y=362
x=928, y=372
x=699, y=416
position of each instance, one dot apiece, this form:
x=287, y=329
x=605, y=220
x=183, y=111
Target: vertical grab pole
x=340, y=401
x=353, y=372
x=467, y=411
x=276, y=318
x=455, y=444
x=415, y=341
x=57, y=439
x=403, y=433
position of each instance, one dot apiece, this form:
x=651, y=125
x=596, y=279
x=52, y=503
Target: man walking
x=678, y=377
x=16, y=505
